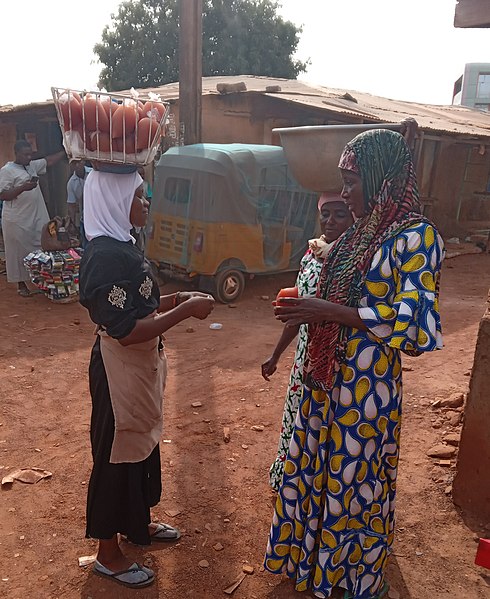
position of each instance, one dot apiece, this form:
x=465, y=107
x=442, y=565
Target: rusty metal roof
x=9, y=108
x=453, y=120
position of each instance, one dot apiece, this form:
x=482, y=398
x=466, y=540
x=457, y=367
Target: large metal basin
x=313, y=152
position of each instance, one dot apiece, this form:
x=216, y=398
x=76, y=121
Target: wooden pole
x=190, y=71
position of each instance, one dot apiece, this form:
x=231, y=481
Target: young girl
x=127, y=373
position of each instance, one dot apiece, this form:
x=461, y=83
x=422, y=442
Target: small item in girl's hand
x=216, y=326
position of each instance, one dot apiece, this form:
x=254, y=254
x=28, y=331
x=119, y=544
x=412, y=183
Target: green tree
x=140, y=47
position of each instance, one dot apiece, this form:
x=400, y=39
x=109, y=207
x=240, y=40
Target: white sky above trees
x=403, y=49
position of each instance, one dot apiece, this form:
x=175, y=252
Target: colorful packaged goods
x=56, y=273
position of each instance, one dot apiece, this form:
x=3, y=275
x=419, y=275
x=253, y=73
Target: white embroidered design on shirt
x=146, y=288
x=117, y=297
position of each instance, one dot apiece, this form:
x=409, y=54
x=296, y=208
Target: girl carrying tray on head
x=127, y=373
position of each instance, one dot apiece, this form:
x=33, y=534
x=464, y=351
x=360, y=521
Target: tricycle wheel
x=230, y=284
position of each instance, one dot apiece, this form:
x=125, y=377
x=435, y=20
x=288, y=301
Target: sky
x=401, y=49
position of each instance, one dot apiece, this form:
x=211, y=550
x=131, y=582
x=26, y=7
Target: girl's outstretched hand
x=186, y=295
x=200, y=306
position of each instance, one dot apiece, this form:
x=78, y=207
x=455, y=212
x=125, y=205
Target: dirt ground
x=215, y=492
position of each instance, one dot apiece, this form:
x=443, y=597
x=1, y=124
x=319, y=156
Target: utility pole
x=190, y=70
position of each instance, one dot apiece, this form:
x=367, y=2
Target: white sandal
x=165, y=533
x=134, y=577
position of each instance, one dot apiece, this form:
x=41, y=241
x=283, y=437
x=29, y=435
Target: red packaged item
x=483, y=554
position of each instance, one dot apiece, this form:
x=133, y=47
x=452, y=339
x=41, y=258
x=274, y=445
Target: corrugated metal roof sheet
x=9, y=108
x=452, y=120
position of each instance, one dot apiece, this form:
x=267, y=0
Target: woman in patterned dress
x=333, y=524
x=335, y=218
x=127, y=373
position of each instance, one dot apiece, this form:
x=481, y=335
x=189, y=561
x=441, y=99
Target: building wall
x=446, y=187
x=448, y=172
x=250, y=118
x=40, y=127
x=471, y=487
x=228, y=119
x=8, y=135
x=453, y=179
x=473, y=94
x=473, y=206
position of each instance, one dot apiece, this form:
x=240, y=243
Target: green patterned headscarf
x=383, y=161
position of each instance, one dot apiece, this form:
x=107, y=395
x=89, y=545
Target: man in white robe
x=24, y=210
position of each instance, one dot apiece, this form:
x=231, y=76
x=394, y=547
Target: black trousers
x=119, y=495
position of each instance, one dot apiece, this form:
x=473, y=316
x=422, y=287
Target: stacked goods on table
x=110, y=127
x=55, y=273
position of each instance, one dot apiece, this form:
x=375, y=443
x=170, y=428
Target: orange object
x=117, y=144
x=154, y=110
x=130, y=144
x=96, y=118
x=291, y=292
x=124, y=119
x=104, y=141
x=288, y=292
x=110, y=106
x=126, y=145
x=71, y=110
x=140, y=108
x=147, y=129
x=483, y=554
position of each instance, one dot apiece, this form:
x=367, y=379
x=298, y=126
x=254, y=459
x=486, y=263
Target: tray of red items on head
x=123, y=129
x=286, y=292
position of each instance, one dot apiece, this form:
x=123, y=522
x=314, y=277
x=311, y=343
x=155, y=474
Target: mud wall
x=471, y=487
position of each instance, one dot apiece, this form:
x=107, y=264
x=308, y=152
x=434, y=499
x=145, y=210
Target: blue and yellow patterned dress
x=334, y=518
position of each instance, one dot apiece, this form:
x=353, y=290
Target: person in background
x=147, y=189
x=127, y=373
x=74, y=198
x=24, y=210
x=378, y=296
x=335, y=218
x=139, y=233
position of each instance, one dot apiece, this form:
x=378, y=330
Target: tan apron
x=136, y=375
